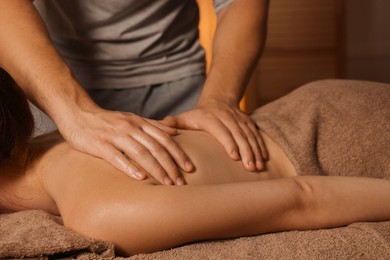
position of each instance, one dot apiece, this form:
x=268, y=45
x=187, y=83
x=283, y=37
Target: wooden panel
x=303, y=45
x=283, y=73
x=302, y=24
x=367, y=40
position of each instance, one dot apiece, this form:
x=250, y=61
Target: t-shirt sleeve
x=220, y=4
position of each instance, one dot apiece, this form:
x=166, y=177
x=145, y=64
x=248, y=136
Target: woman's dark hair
x=16, y=120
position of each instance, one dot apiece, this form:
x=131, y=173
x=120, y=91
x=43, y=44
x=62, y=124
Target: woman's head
x=16, y=121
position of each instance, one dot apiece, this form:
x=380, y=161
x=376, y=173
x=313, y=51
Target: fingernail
x=188, y=165
x=179, y=181
x=138, y=175
x=250, y=164
x=167, y=181
x=235, y=155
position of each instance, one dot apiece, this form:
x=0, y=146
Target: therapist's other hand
x=235, y=130
x=132, y=144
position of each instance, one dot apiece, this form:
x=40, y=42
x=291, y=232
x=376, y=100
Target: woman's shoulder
x=50, y=153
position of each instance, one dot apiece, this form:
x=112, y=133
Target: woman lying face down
x=221, y=199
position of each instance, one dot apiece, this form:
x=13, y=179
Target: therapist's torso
x=125, y=43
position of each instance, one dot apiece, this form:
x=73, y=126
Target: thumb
x=186, y=120
x=169, y=130
x=181, y=121
x=169, y=121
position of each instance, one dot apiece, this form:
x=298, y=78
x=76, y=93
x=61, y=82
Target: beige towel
x=35, y=233
x=333, y=127
x=357, y=241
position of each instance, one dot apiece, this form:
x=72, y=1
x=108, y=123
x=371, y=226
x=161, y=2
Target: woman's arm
x=337, y=201
x=144, y=217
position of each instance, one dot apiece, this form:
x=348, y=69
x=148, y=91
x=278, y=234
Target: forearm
x=127, y=141
x=27, y=54
x=339, y=201
x=238, y=43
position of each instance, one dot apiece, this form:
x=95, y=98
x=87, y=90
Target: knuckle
x=105, y=151
x=172, y=170
x=226, y=114
x=242, y=134
x=157, y=149
x=181, y=155
x=124, y=124
x=166, y=139
x=140, y=150
x=103, y=136
x=111, y=156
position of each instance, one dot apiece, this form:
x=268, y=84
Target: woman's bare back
x=54, y=157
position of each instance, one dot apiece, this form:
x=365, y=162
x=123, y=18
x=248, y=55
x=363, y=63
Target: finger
x=255, y=147
x=187, y=120
x=256, y=131
x=174, y=150
x=122, y=163
x=241, y=139
x=169, y=121
x=154, y=152
x=161, y=154
x=142, y=156
x=217, y=129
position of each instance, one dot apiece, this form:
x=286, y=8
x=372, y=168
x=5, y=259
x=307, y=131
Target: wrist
x=65, y=98
x=212, y=100
x=222, y=87
x=219, y=94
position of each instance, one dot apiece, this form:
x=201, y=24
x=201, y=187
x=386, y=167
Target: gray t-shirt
x=126, y=43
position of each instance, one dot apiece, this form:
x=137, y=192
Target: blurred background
x=311, y=40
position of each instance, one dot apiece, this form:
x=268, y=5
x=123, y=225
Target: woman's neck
x=20, y=182
x=12, y=174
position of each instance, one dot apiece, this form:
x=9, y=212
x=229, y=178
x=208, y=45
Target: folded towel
x=35, y=233
x=332, y=127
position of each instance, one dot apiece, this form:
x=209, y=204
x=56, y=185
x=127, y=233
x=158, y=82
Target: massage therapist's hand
x=234, y=129
x=132, y=144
